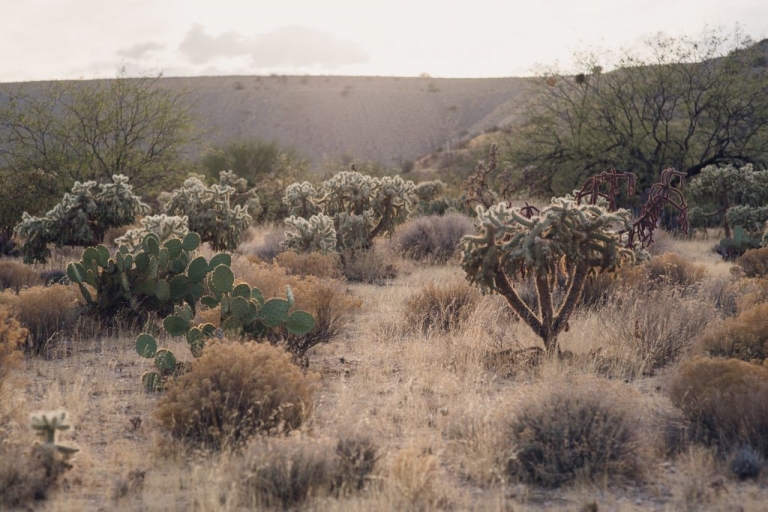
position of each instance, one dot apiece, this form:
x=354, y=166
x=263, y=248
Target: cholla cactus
x=243, y=195
x=164, y=226
x=212, y=212
x=299, y=198
x=362, y=207
x=315, y=234
x=565, y=237
x=46, y=424
x=730, y=186
x=81, y=218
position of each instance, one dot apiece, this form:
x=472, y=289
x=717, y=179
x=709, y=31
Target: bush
x=440, y=307
x=28, y=475
x=12, y=335
x=575, y=431
x=726, y=401
x=742, y=337
x=234, y=391
x=285, y=472
x=15, y=275
x=47, y=312
x=434, y=238
x=754, y=263
x=310, y=264
x=668, y=269
x=746, y=463
x=369, y=267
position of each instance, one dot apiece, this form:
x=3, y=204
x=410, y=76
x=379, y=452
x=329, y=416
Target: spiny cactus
x=164, y=226
x=81, y=218
x=244, y=313
x=316, y=234
x=219, y=213
x=565, y=237
x=153, y=278
x=362, y=207
x=429, y=190
x=46, y=425
x=299, y=198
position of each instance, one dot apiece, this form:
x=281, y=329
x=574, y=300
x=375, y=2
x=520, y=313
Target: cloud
x=292, y=46
x=139, y=50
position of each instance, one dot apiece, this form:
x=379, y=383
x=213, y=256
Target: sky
x=85, y=39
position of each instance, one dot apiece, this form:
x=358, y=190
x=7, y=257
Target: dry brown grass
x=437, y=412
x=441, y=307
x=323, y=266
x=743, y=337
x=16, y=275
x=754, y=263
x=12, y=336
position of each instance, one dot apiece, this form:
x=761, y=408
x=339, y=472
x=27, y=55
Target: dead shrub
x=433, y=238
x=441, y=307
x=48, y=313
x=655, y=328
x=667, y=270
x=16, y=275
x=310, y=264
x=28, y=474
x=12, y=336
x=742, y=337
x=575, y=431
x=369, y=267
x=235, y=390
x=725, y=400
x=283, y=473
x=754, y=263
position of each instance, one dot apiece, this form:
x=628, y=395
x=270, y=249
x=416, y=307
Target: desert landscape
x=378, y=293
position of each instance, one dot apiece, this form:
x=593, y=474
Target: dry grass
x=16, y=275
x=324, y=266
x=743, y=337
x=441, y=307
x=437, y=411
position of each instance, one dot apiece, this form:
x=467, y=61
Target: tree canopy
x=680, y=102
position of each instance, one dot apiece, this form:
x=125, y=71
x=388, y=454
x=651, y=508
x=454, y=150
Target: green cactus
x=244, y=313
x=362, y=207
x=316, y=234
x=81, y=218
x=164, y=226
x=46, y=425
x=574, y=240
x=219, y=213
x=428, y=191
x=152, y=277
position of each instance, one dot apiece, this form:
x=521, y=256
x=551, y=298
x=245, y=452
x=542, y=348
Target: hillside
x=385, y=119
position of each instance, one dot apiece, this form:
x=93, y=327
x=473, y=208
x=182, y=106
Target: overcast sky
x=57, y=39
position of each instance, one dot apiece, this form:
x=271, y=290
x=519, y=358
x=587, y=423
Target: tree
x=58, y=133
x=685, y=103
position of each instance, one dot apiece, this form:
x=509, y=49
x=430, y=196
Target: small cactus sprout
x=567, y=238
x=47, y=424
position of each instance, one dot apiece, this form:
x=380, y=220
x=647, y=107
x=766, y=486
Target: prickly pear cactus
x=219, y=213
x=362, y=207
x=244, y=313
x=164, y=226
x=316, y=234
x=154, y=278
x=565, y=237
x=81, y=218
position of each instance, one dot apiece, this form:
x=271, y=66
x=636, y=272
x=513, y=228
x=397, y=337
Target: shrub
x=47, y=312
x=726, y=401
x=672, y=269
x=743, y=337
x=28, y=475
x=369, y=267
x=574, y=431
x=283, y=473
x=441, y=307
x=15, y=275
x=754, y=263
x=434, y=238
x=12, y=335
x=746, y=463
x=234, y=391
x=310, y=264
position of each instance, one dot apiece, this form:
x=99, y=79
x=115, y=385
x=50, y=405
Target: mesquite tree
x=564, y=239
